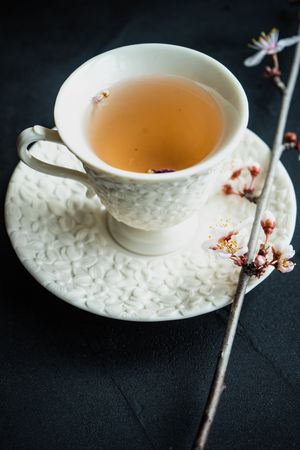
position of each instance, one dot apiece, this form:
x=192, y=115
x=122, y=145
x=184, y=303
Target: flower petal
x=274, y=35
x=279, y=247
x=242, y=251
x=283, y=252
x=223, y=254
x=268, y=215
x=288, y=252
x=256, y=45
x=215, y=234
x=260, y=260
x=287, y=42
x=287, y=267
x=255, y=59
x=206, y=245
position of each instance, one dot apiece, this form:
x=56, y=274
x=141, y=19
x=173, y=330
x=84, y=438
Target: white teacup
x=148, y=213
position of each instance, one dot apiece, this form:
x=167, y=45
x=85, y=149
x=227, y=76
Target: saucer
x=62, y=239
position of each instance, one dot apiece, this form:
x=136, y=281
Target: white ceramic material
x=61, y=238
x=144, y=201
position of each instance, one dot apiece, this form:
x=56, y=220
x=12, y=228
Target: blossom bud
x=236, y=174
x=268, y=223
x=271, y=72
x=254, y=169
x=260, y=260
x=276, y=72
x=267, y=72
x=227, y=189
x=290, y=136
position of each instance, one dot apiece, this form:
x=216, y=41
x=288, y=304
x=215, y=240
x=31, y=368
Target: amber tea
x=155, y=123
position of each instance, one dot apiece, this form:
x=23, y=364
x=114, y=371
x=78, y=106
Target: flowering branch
x=230, y=242
x=218, y=384
x=268, y=44
x=244, y=188
x=275, y=73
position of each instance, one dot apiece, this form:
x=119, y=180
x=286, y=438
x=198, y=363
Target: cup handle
x=39, y=133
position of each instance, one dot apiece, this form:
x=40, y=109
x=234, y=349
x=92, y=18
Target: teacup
x=147, y=213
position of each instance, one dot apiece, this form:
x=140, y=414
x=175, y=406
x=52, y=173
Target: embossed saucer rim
x=154, y=317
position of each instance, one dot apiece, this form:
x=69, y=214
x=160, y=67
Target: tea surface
x=154, y=123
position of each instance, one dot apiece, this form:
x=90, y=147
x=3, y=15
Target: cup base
x=153, y=242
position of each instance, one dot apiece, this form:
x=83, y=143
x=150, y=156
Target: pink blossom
x=254, y=169
x=227, y=189
x=227, y=240
x=268, y=223
x=290, y=136
x=242, y=186
x=268, y=44
x=260, y=260
x=281, y=255
x=236, y=173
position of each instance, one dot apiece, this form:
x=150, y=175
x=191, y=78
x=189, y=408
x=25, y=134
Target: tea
x=155, y=123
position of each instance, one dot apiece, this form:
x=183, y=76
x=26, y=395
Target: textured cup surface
x=153, y=205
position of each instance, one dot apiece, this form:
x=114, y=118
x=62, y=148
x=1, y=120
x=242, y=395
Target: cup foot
x=153, y=242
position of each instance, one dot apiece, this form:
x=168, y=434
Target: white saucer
x=61, y=238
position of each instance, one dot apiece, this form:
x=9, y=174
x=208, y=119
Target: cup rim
x=198, y=168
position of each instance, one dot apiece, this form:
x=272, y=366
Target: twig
x=277, y=79
x=217, y=386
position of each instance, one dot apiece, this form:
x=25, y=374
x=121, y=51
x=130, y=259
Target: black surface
x=71, y=380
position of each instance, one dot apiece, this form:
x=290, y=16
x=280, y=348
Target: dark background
x=70, y=380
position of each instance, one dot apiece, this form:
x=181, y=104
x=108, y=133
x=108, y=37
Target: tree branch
x=217, y=386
